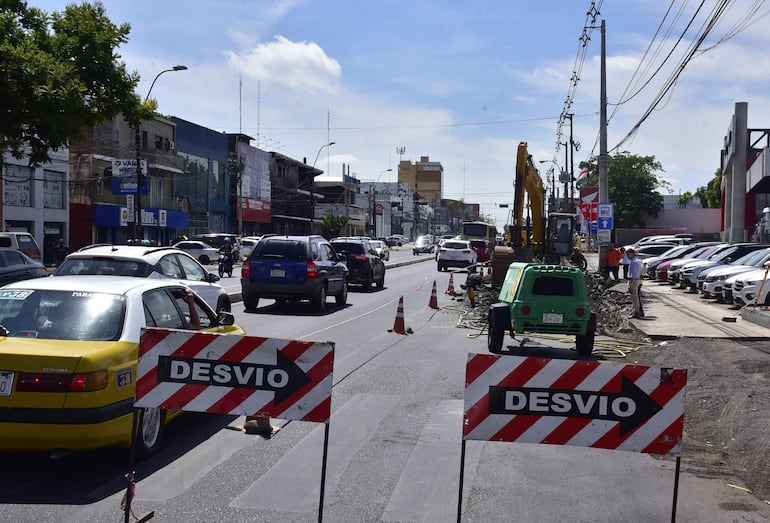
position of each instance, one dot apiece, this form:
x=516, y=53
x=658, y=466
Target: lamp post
x=137, y=228
x=312, y=185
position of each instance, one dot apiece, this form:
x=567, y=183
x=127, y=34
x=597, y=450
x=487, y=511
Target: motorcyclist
x=227, y=252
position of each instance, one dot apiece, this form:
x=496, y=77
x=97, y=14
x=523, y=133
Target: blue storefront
x=159, y=225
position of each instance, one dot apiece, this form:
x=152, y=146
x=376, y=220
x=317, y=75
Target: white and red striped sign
x=240, y=375
x=572, y=402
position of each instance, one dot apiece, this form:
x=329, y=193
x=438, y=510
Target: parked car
x=661, y=271
x=422, y=244
x=455, y=253
x=483, y=250
x=217, y=239
x=651, y=250
x=294, y=268
x=17, y=266
x=680, y=251
x=203, y=252
x=21, y=241
x=690, y=271
x=382, y=249
x=711, y=281
x=69, y=359
x=364, y=263
x=751, y=287
x=675, y=266
x=147, y=262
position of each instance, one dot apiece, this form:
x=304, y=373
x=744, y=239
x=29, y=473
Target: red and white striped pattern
x=311, y=402
x=660, y=434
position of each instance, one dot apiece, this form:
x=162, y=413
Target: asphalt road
x=394, y=450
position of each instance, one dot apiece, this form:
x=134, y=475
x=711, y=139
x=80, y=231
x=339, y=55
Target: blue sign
x=605, y=224
x=127, y=185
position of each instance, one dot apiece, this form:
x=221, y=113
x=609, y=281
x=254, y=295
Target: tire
x=368, y=282
x=151, y=423
x=221, y=270
x=438, y=266
x=584, y=343
x=342, y=297
x=381, y=282
x=204, y=259
x=250, y=302
x=319, y=300
x=496, y=329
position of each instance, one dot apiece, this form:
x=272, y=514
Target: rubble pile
x=612, y=305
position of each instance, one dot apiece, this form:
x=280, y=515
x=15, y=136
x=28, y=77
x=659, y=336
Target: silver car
x=147, y=262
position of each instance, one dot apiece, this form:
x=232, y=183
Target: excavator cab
x=560, y=236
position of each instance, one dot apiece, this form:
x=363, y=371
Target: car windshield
x=377, y=244
x=280, y=249
x=104, y=266
x=62, y=315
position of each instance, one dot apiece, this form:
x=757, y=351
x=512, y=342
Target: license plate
x=278, y=273
x=6, y=382
x=552, y=317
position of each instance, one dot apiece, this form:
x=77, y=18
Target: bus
x=479, y=231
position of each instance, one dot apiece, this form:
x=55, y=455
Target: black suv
x=293, y=268
x=365, y=265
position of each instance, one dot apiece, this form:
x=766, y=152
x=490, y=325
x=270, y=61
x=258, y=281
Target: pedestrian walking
x=634, y=279
x=612, y=262
x=60, y=252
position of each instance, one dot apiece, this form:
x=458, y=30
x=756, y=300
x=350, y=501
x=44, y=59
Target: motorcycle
x=225, y=264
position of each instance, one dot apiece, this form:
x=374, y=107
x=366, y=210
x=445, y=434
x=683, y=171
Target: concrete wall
x=703, y=223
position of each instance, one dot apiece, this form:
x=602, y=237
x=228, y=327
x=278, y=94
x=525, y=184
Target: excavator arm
x=527, y=231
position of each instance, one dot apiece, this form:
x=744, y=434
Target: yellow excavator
x=550, y=237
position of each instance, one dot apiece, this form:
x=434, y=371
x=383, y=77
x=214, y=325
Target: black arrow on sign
x=631, y=407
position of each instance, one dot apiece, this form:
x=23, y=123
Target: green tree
x=684, y=199
x=333, y=225
x=633, y=186
x=711, y=195
x=59, y=73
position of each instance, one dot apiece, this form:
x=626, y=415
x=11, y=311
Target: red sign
x=238, y=375
x=379, y=208
x=574, y=402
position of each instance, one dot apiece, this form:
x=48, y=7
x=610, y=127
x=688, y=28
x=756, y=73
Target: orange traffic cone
x=433, y=303
x=451, y=288
x=398, y=325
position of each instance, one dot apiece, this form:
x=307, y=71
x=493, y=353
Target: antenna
x=400, y=152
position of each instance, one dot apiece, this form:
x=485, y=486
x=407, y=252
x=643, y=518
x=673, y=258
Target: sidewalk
x=673, y=313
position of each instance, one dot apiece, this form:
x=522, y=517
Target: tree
x=633, y=187
x=711, y=195
x=332, y=225
x=684, y=199
x=60, y=74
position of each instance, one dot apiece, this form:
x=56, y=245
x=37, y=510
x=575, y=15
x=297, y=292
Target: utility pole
x=603, y=180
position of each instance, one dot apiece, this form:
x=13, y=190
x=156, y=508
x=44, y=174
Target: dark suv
x=365, y=265
x=294, y=268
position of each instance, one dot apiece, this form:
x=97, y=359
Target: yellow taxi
x=68, y=356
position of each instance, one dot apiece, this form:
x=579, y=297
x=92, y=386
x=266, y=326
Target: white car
x=201, y=251
x=746, y=287
x=247, y=244
x=381, y=248
x=455, y=253
x=711, y=281
x=147, y=262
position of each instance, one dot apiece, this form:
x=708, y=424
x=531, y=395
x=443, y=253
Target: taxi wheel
x=151, y=423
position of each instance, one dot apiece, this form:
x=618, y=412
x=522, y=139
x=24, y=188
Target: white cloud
x=300, y=66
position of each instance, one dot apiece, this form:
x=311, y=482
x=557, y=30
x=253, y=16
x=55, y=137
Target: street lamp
x=554, y=198
x=312, y=185
x=319, y=151
x=137, y=228
x=372, y=194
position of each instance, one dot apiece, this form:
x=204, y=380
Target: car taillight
x=77, y=382
x=580, y=312
x=245, y=270
x=466, y=251
x=526, y=309
x=361, y=257
x=312, y=271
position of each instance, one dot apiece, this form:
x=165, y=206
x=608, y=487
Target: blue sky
x=460, y=82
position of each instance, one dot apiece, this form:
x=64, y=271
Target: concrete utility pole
x=603, y=180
